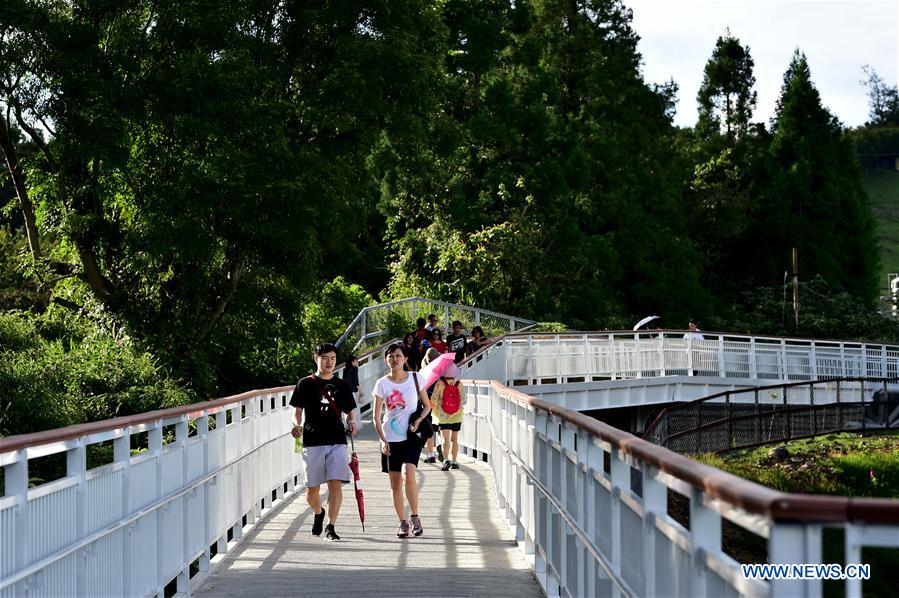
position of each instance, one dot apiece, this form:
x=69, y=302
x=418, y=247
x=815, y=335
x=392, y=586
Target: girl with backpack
x=448, y=400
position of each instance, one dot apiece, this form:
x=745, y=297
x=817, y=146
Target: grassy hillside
x=883, y=188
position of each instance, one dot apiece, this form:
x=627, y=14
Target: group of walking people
x=407, y=418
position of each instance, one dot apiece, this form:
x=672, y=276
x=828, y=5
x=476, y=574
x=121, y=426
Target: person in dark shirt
x=478, y=340
x=411, y=344
x=318, y=401
x=456, y=342
x=351, y=374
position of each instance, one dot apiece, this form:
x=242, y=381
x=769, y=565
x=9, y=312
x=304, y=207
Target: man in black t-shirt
x=318, y=401
x=456, y=342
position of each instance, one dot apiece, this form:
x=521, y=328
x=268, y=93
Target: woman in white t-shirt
x=396, y=398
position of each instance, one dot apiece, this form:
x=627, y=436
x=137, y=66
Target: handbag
x=425, y=428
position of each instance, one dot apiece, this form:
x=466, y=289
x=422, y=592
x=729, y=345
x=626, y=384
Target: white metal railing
x=130, y=527
x=534, y=358
x=377, y=322
x=589, y=505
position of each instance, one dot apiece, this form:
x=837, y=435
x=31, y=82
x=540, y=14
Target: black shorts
x=400, y=453
x=454, y=427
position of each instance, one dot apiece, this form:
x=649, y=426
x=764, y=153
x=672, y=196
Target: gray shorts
x=328, y=462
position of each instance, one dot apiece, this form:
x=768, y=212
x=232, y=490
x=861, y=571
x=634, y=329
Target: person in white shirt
x=693, y=332
x=397, y=396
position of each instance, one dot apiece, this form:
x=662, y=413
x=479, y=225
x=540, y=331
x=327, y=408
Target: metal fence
x=578, y=357
x=590, y=505
x=750, y=417
x=131, y=526
x=375, y=324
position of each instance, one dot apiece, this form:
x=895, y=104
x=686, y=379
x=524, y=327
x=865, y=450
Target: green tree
x=726, y=97
x=883, y=100
x=198, y=155
x=554, y=196
x=815, y=200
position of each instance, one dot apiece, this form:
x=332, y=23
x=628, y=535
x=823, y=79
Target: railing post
x=813, y=361
x=843, y=373
x=17, y=485
x=883, y=361
x=76, y=466
x=621, y=480
x=203, y=433
x=690, y=371
x=121, y=454
x=864, y=361
x=221, y=421
x=705, y=536
x=655, y=504
x=790, y=543
x=783, y=360
x=183, y=578
x=446, y=323
x=154, y=447
x=753, y=361
x=661, y=354
x=721, y=368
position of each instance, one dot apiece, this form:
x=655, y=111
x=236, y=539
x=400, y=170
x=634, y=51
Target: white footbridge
x=588, y=505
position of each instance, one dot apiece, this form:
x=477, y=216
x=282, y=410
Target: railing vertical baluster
x=154, y=446
x=183, y=579
x=76, y=466
x=16, y=484
x=705, y=536
x=121, y=454
x=758, y=420
x=787, y=415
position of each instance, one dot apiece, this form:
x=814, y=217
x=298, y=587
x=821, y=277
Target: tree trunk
x=18, y=179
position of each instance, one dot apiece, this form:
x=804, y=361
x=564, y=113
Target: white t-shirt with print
x=400, y=402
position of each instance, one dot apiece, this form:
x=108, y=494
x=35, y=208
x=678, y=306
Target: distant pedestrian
x=433, y=323
x=318, y=401
x=412, y=348
x=478, y=340
x=693, y=333
x=456, y=342
x=396, y=399
x=350, y=375
x=421, y=332
x=435, y=340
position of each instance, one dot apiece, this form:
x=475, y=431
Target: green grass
x=883, y=189
x=835, y=464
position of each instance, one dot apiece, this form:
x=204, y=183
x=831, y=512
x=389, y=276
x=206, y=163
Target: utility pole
x=796, y=288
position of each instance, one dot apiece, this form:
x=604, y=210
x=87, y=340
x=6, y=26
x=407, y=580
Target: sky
x=837, y=36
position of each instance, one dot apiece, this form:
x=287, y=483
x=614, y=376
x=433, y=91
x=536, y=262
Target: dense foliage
x=197, y=192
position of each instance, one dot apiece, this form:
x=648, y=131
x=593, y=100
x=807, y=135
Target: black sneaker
x=440, y=453
x=318, y=522
x=455, y=465
x=430, y=460
x=330, y=534
x=446, y=465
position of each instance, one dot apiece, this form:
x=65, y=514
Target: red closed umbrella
x=357, y=485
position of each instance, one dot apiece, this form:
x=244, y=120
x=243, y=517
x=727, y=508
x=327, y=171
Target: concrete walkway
x=466, y=549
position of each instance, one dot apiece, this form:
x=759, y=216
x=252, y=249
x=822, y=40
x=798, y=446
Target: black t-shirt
x=321, y=426
x=456, y=344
